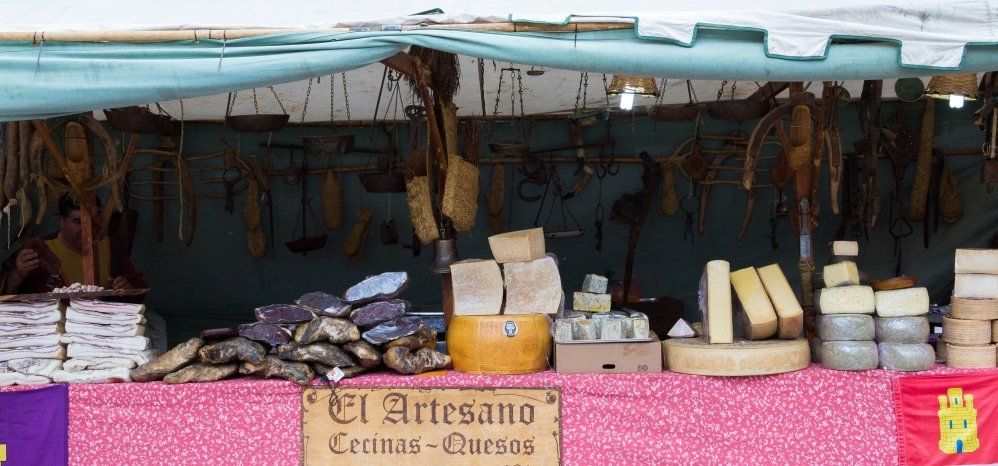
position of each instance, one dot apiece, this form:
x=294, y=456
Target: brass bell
x=444, y=254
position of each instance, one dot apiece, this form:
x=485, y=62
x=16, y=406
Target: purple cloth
x=34, y=426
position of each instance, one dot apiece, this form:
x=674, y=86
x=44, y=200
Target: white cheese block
x=613, y=329
x=849, y=355
x=757, y=315
x=902, y=303
x=740, y=358
x=594, y=284
x=477, y=287
x=518, y=246
x=975, y=285
x=902, y=329
x=584, y=330
x=847, y=300
x=846, y=327
x=907, y=357
x=532, y=287
x=840, y=274
x=590, y=302
x=789, y=314
x=845, y=248
x=966, y=332
x=714, y=299
x=681, y=330
x=976, y=261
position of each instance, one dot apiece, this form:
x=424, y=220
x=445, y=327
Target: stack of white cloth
x=30, y=342
x=104, y=340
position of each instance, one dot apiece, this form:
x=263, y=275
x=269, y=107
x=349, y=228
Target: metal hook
x=38, y=60
x=222, y=54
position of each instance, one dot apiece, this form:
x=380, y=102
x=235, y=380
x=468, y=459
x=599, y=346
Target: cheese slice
x=841, y=274
x=532, y=287
x=975, y=285
x=847, y=300
x=714, y=299
x=477, y=287
x=976, y=261
x=740, y=358
x=756, y=310
x=902, y=303
x=518, y=246
x=789, y=314
x=845, y=248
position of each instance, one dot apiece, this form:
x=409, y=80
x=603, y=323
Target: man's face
x=72, y=229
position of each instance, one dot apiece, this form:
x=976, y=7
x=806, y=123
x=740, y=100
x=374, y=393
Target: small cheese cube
x=613, y=329
x=594, y=284
x=841, y=274
x=518, y=246
x=590, y=302
x=845, y=248
x=563, y=329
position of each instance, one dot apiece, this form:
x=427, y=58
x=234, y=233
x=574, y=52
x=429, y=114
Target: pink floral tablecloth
x=814, y=416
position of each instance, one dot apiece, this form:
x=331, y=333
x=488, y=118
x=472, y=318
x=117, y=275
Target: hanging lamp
x=954, y=87
x=628, y=86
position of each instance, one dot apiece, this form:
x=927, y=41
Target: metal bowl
x=379, y=182
x=737, y=110
x=306, y=244
x=673, y=112
x=263, y=123
x=509, y=149
x=336, y=144
x=138, y=120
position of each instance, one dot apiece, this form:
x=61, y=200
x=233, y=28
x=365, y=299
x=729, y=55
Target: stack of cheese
x=592, y=318
x=104, y=340
x=30, y=351
x=902, y=329
x=845, y=326
x=593, y=297
x=970, y=330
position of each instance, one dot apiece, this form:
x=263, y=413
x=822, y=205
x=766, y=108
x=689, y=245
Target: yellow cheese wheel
x=500, y=344
x=742, y=357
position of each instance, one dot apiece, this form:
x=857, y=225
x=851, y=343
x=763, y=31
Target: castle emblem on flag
x=957, y=422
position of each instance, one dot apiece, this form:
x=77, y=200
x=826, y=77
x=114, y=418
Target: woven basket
x=966, y=332
x=971, y=357
x=332, y=201
x=418, y=196
x=923, y=165
x=251, y=205
x=460, y=201
x=256, y=242
x=496, y=199
x=994, y=331
x=974, y=308
x=943, y=86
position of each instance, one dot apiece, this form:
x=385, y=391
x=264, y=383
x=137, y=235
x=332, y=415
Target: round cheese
x=846, y=327
x=503, y=344
x=902, y=329
x=849, y=355
x=994, y=331
x=974, y=308
x=971, y=357
x=739, y=358
x=908, y=357
x=966, y=332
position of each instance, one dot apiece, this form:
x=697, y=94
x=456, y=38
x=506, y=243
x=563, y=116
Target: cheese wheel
x=974, y=308
x=966, y=332
x=740, y=358
x=846, y=300
x=902, y=329
x=815, y=347
x=976, y=261
x=908, y=357
x=971, y=357
x=504, y=344
x=941, y=351
x=994, y=331
x=902, y=303
x=840, y=274
x=975, y=285
x=849, y=355
x=846, y=327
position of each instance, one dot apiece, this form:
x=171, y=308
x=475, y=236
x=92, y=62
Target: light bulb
x=956, y=100
x=626, y=101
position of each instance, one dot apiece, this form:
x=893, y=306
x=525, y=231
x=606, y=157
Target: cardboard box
x=608, y=358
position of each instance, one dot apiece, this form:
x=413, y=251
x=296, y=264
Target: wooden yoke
x=76, y=166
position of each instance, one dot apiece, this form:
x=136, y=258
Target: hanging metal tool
x=566, y=231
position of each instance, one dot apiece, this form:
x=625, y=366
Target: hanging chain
x=583, y=77
x=495, y=112
x=278, y=99
x=519, y=85
x=304, y=108
x=734, y=85
x=606, y=90
x=332, y=100
x=691, y=92
x=231, y=103
x=720, y=91
x=346, y=96
x=661, y=93
x=256, y=106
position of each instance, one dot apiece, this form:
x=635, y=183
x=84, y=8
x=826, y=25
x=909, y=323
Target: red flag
x=947, y=419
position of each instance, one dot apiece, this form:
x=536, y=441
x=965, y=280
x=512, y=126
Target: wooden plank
x=33, y=297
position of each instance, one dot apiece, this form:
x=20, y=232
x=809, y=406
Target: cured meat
x=332, y=329
x=198, y=372
x=393, y=329
x=115, y=374
x=283, y=314
x=421, y=338
x=218, y=334
x=324, y=304
x=233, y=349
x=348, y=371
x=106, y=306
x=364, y=353
x=32, y=366
x=179, y=356
x=82, y=364
x=325, y=353
x=403, y=361
x=297, y=372
x=377, y=287
x=271, y=334
x=378, y=312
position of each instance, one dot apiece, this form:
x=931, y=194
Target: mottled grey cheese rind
x=594, y=284
x=584, y=330
x=563, y=329
x=846, y=327
x=849, y=355
x=902, y=329
x=639, y=327
x=613, y=329
x=815, y=346
x=907, y=357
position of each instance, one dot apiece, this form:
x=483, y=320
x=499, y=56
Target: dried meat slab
x=330, y=329
x=403, y=361
x=382, y=311
x=325, y=353
x=233, y=349
x=179, y=356
x=378, y=287
x=271, y=334
x=198, y=372
x=283, y=314
x=324, y=304
x=366, y=355
x=423, y=337
x=393, y=329
x=348, y=371
x=297, y=372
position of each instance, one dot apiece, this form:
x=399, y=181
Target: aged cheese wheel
x=503, y=344
x=846, y=300
x=846, y=327
x=909, y=357
x=742, y=357
x=971, y=357
x=966, y=332
x=983, y=261
x=849, y=355
x=994, y=331
x=975, y=285
x=902, y=303
x=941, y=351
x=902, y=329
x=974, y=308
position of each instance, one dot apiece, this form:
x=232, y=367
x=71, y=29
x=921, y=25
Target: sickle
x=758, y=138
x=747, y=216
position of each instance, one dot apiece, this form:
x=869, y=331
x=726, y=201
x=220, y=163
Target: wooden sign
x=446, y=426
